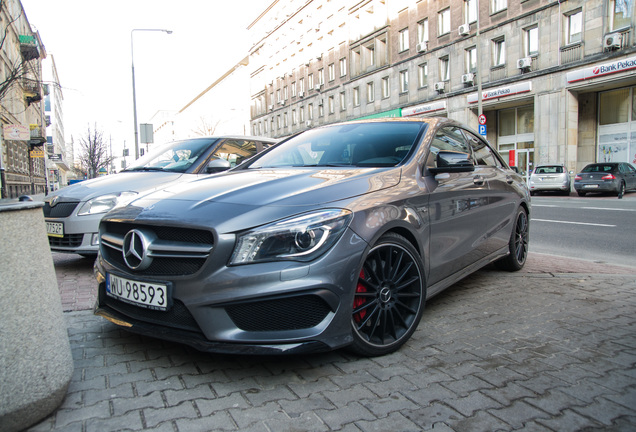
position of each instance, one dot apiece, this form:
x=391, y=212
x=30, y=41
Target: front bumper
x=264, y=308
x=80, y=234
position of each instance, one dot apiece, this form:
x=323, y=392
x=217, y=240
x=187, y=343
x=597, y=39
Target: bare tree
x=17, y=70
x=93, y=152
x=206, y=127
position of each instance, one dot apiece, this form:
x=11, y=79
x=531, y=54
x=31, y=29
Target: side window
x=484, y=155
x=448, y=139
x=236, y=151
x=630, y=169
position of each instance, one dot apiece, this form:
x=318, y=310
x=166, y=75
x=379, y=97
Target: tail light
x=578, y=177
x=608, y=177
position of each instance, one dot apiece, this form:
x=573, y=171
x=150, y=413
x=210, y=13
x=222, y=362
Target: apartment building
x=22, y=153
x=557, y=78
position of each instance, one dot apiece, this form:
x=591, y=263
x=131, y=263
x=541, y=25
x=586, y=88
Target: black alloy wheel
x=389, y=297
x=621, y=189
x=518, y=245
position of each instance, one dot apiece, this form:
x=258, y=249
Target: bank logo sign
x=501, y=92
x=602, y=70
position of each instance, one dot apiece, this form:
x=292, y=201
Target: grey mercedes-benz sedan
x=332, y=238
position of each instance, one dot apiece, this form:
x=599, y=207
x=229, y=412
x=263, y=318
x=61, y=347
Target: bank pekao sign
x=423, y=109
x=501, y=92
x=601, y=70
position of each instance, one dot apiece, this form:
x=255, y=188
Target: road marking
x=584, y=208
x=573, y=223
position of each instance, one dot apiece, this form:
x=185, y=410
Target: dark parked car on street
x=612, y=177
x=334, y=237
x=72, y=214
x=550, y=178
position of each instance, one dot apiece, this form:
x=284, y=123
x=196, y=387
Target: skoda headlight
x=301, y=238
x=104, y=203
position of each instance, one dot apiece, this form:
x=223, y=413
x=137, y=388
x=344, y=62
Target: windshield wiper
x=144, y=169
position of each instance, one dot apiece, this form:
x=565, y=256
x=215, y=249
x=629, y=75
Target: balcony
x=29, y=47
x=32, y=91
x=38, y=135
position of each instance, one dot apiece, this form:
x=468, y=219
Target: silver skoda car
x=72, y=214
x=333, y=238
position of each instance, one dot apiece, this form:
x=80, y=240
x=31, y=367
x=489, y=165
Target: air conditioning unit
x=281, y=102
x=524, y=63
x=468, y=78
x=308, y=124
x=271, y=107
x=422, y=46
x=301, y=94
x=613, y=41
x=464, y=29
x=317, y=88
x=439, y=86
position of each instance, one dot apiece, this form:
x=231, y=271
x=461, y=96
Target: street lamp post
x=132, y=57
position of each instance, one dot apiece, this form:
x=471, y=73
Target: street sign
x=482, y=130
x=37, y=153
x=482, y=119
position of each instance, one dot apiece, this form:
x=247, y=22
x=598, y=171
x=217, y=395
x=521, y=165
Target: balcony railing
x=38, y=135
x=32, y=90
x=571, y=53
x=497, y=72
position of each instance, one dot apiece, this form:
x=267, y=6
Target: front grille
x=291, y=313
x=69, y=240
x=60, y=210
x=179, y=254
x=178, y=316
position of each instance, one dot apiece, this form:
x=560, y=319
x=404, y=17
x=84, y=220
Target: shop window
x=614, y=107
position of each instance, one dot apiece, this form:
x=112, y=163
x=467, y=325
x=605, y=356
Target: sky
x=90, y=41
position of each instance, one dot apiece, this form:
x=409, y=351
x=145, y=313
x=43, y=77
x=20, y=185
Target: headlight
x=104, y=203
x=301, y=238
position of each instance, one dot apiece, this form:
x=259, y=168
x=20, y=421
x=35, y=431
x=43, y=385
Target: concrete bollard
x=35, y=355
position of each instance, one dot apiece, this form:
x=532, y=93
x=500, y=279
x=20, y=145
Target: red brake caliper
x=359, y=300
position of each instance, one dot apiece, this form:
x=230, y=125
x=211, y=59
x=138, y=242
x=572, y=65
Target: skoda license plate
x=55, y=229
x=151, y=295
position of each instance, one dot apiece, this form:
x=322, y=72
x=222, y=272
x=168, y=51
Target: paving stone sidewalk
x=542, y=350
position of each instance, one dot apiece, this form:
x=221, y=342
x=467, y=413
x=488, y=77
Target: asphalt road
x=595, y=228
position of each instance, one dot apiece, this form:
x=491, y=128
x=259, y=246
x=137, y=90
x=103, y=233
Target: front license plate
x=151, y=295
x=590, y=186
x=55, y=229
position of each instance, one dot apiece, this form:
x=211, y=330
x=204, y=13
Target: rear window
x=549, y=170
x=599, y=168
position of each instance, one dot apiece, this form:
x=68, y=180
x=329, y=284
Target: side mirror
x=217, y=165
x=452, y=162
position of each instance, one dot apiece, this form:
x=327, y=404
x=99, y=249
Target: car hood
x=240, y=199
x=135, y=181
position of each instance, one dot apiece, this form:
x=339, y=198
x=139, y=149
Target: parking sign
x=482, y=130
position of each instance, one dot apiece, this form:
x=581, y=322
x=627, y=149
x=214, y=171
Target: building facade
x=22, y=152
x=557, y=78
x=60, y=166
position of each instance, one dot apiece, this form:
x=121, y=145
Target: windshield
x=379, y=144
x=176, y=156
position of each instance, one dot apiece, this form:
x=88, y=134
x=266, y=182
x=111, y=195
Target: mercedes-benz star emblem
x=135, y=250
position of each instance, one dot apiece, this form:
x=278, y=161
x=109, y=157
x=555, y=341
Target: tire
x=581, y=194
x=389, y=297
x=532, y=193
x=518, y=244
x=621, y=190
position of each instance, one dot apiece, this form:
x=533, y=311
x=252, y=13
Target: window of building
x=265, y=127
x=499, y=5
x=369, y=55
x=293, y=89
x=278, y=99
x=321, y=110
x=343, y=101
x=443, y=22
x=285, y=119
x=285, y=93
x=404, y=40
x=620, y=14
x=499, y=52
x=471, y=60
x=356, y=96
x=332, y=105
x=332, y=72
x=444, y=68
x=422, y=75
x=278, y=122
x=272, y=124
x=422, y=31
x=343, y=67
x=310, y=111
x=531, y=41
x=301, y=113
x=614, y=107
x=321, y=76
x=310, y=81
x=404, y=81
x=470, y=11
x=301, y=85
x=370, y=92
x=294, y=117
x=386, y=89
x=573, y=27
